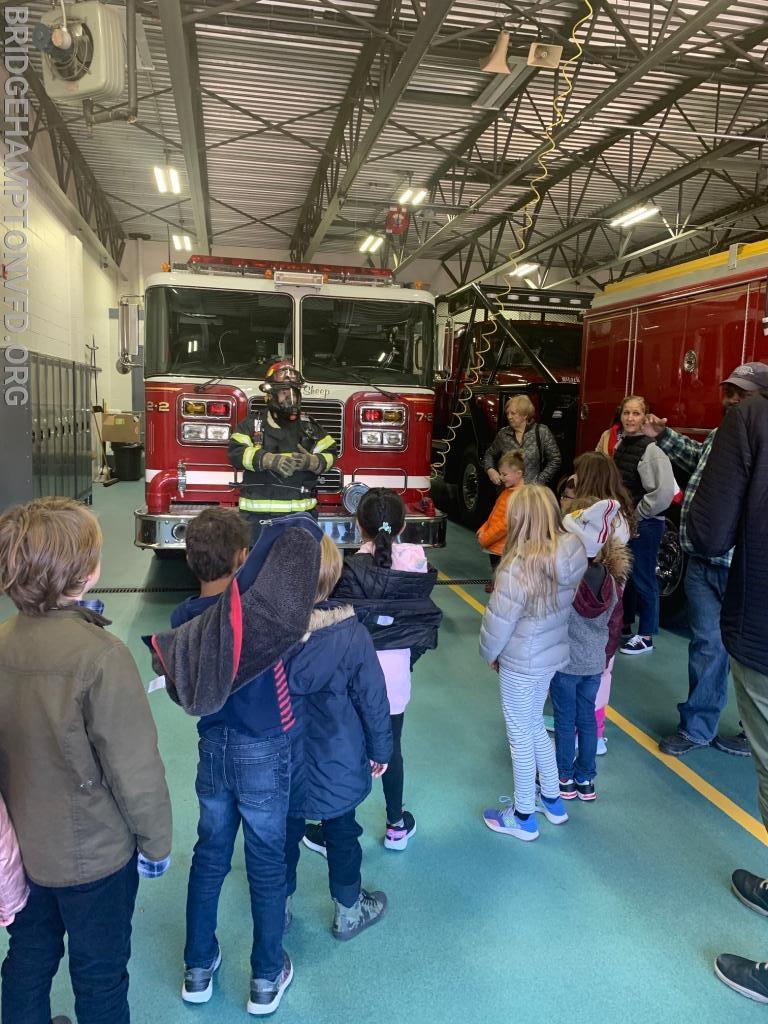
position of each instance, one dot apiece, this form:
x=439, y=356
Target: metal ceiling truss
x=351, y=140
x=183, y=66
x=71, y=168
x=650, y=61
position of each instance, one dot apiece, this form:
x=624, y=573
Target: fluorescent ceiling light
x=524, y=270
x=366, y=245
x=634, y=216
x=420, y=196
x=406, y=196
x=182, y=242
x=376, y=244
x=167, y=180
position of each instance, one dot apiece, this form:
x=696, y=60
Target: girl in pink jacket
x=14, y=890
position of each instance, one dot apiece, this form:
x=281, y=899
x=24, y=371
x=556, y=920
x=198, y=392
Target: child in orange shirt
x=492, y=535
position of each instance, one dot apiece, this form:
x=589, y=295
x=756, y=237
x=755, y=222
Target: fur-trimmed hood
x=322, y=617
x=616, y=559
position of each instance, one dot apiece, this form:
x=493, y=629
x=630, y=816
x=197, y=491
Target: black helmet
x=282, y=386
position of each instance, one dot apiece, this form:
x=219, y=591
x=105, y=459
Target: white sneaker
x=602, y=746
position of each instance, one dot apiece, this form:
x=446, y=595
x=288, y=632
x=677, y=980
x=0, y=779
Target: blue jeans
x=707, y=658
x=96, y=919
x=244, y=779
x=641, y=593
x=573, y=701
x=342, y=846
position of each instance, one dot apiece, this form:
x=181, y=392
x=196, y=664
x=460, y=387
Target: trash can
x=127, y=460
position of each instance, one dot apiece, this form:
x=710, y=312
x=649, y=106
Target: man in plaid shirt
x=705, y=581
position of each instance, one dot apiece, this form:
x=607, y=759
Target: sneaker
x=488, y=588
x=396, y=837
x=506, y=821
x=367, y=909
x=314, y=839
x=737, y=745
x=60, y=1020
x=567, y=789
x=266, y=995
x=553, y=810
x=746, y=977
x=677, y=745
x=752, y=890
x=602, y=746
x=637, y=645
x=288, y=918
x=585, y=790
x=198, y=982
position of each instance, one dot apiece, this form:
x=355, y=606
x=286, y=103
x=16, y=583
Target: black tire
x=169, y=554
x=670, y=571
x=474, y=491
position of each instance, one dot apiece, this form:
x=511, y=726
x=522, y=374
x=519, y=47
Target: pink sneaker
x=397, y=836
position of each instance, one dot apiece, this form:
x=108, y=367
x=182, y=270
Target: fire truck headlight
x=370, y=438
x=193, y=431
x=218, y=433
x=393, y=438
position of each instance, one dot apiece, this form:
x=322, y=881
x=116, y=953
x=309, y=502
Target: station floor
x=614, y=917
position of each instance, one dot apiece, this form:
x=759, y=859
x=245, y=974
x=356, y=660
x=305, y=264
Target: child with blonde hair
x=524, y=635
x=492, y=535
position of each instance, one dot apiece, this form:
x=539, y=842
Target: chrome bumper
x=167, y=532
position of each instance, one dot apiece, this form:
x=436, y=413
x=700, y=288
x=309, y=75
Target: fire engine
x=672, y=336
x=501, y=342
x=365, y=347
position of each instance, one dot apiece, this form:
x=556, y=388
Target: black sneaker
x=585, y=790
x=568, y=789
x=747, y=977
x=315, y=840
x=637, y=645
x=737, y=745
x=752, y=890
x=677, y=745
x=396, y=836
x=266, y=995
x=198, y=982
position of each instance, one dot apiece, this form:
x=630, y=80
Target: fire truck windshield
x=557, y=345
x=383, y=342
x=207, y=332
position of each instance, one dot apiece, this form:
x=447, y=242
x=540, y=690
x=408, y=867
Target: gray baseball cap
x=749, y=377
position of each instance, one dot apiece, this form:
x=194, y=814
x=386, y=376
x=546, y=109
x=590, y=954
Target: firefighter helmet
x=282, y=386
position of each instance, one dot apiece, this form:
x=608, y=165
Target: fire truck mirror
x=444, y=334
x=128, y=327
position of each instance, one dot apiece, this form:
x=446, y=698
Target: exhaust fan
x=83, y=52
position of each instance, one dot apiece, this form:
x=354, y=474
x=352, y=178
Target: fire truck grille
x=330, y=482
x=330, y=416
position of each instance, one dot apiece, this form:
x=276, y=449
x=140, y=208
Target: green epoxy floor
x=615, y=917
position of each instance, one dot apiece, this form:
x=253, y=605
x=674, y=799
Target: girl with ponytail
x=389, y=584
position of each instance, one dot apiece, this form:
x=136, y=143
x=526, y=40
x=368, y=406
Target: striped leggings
x=522, y=701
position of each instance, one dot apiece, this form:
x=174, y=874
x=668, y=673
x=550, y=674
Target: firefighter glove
x=279, y=463
x=304, y=460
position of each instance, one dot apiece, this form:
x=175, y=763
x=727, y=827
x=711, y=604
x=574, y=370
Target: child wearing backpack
x=524, y=635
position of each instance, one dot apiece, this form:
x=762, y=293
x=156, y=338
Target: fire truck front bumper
x=167, y=531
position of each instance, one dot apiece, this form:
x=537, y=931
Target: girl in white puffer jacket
x=524, y=635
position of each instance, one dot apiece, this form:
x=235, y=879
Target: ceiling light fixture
x=524, y=270
x=182, y=242
x=406, y=197
x=366, y=245
x=420, y=196
x=167, y=180
x=634, y=216
x=377, y=243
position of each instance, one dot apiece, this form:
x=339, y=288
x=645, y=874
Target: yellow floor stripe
x=723, y=803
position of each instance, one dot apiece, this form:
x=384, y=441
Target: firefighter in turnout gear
x=280, y=450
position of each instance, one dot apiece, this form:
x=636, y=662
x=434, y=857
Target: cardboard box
x=123, y=427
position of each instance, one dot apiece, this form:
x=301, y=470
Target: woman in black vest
x=647, y=475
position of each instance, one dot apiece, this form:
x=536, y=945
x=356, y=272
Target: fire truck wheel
x=670, y=572
x=475, y=496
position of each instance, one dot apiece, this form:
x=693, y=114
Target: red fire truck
x=672, y=336
x=365, y=347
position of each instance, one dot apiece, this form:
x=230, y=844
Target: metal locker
x=36, y=423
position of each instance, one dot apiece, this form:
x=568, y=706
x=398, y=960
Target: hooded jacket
x=729, y=511
x=80, y=769
x=394, y=606
x=594, y=608
x=524, y=643
x=261, y=614
x=342, y=715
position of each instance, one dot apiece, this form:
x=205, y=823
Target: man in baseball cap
x=748, y=377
